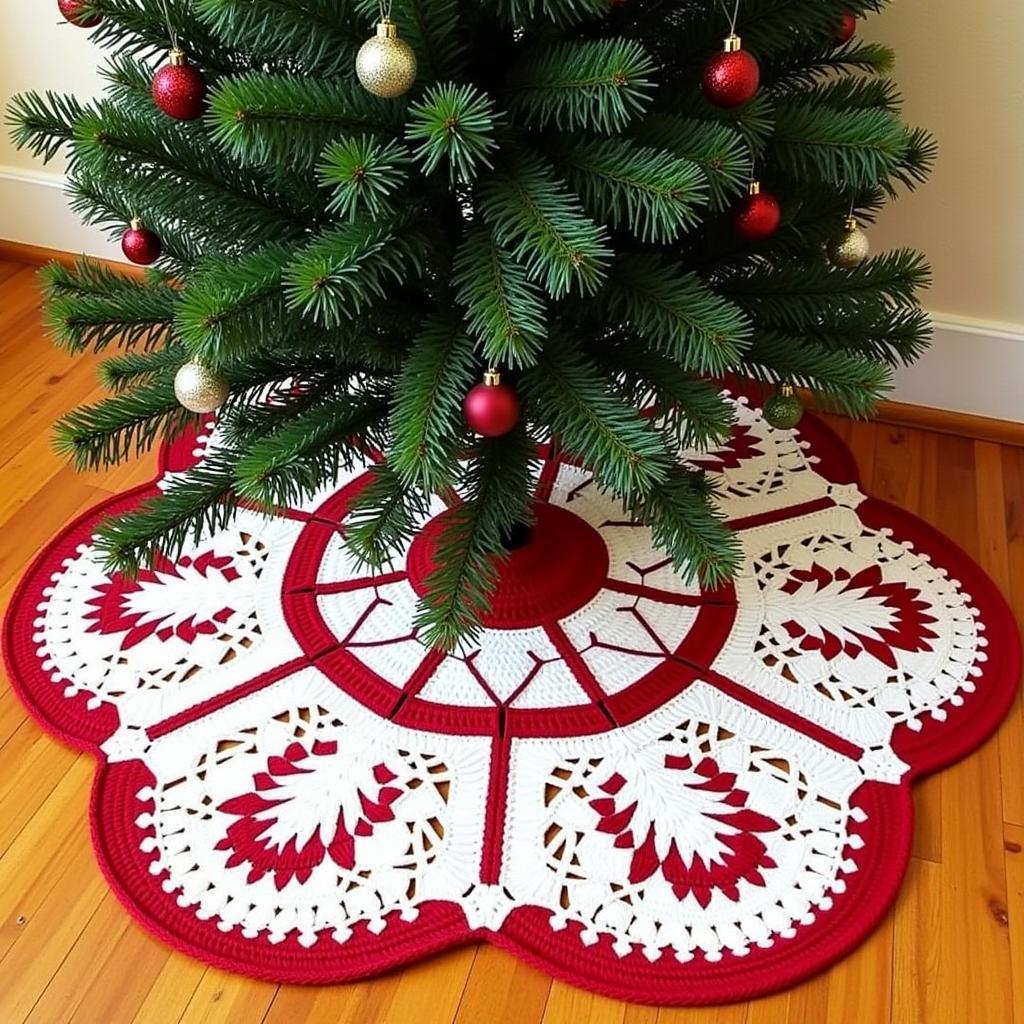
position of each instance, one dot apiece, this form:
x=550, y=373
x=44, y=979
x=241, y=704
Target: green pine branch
x=454, y=125
x=535, y=217
x=426, y=418
x=195, y=504
x=858, y=147
x=505, y=312
x=612, y=439
x=692, y=408
x=717, y=149
x=231, y=305
x=850, y=382
x=384, y=518
x=43, y=123
x=135, y=369
x=599, y=85
x=685, y=522
x=321, y=36
x=676, y=313
x=90, y=307
x=795, y=295
x=310, y=450
x=650, y=192
x=497, y=486
x=287, y=120
x=363, y=173
x=128, y=424
x=341, y=272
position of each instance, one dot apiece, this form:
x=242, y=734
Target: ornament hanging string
x=172, y=34
x=731, y=18
x=384, y=7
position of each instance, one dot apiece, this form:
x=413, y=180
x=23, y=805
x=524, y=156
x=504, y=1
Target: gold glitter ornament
x=199, y=388
x=385, y=64
x=850, y=248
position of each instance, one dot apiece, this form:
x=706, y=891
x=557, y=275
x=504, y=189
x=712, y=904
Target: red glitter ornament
x=491, y=408
x=139, y=244
x=73, y=12
x=731, y=77
x=757, y=215
x=179, y=89
x=845, y=28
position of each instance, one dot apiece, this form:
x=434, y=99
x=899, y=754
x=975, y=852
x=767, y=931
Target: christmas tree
x=488, y=225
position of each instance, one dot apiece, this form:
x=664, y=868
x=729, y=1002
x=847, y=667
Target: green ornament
x=783, y=409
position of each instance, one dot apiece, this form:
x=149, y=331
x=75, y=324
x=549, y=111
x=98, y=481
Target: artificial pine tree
x=559, y=196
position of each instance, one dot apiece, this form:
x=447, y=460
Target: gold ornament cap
x=786, y=390
x=754, y=188
x=731, y=43
x=177, y=57
x=135, y=224
x=492, y=378
x=387, y=29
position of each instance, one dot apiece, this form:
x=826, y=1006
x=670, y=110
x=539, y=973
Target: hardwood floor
x=951, y=950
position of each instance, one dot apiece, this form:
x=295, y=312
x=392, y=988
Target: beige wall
x=960, y=67
x=39, y=50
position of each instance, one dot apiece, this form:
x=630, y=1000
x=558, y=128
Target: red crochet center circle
x=558, y=571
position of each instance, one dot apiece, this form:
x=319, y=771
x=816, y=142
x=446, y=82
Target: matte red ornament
x=72, y=11
x=845, y=28
x=731, y=77
x=179, y=88
x=757, y=216
x=491, y=408
x=139, y=244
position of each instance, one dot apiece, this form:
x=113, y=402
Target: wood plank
x=50, y=932
x=430, y=992
x=228, y=998
x=569, y=1005
x=171, y=991
x=731, y=1013
x=859, y=987
x=944, y=421
x=42, y=850
x=109, y=992
x=1011, y=735
x=356, y=1003
x=1013, y=858
x=861, y=441
x=949, y=421
x=36, y=769
x=91, y=950
x=502, y=990
x=916, y=955
x=808, y=1002
x=974, y=967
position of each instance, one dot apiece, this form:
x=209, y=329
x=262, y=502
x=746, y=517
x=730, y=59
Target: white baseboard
x=973, y=366
x=34, y=210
